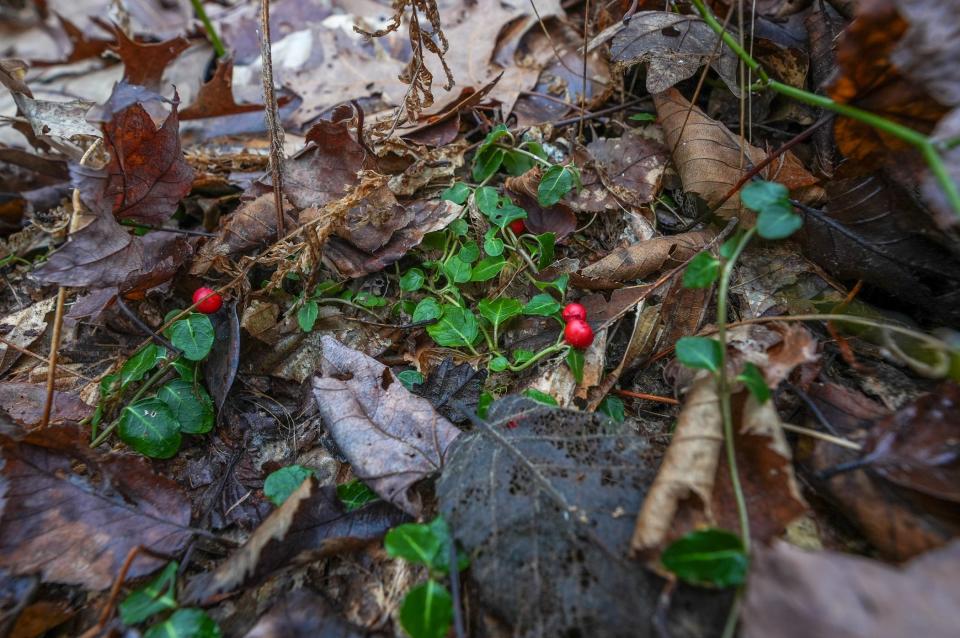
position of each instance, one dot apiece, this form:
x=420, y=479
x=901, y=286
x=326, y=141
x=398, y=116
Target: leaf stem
x=924, y=144
x=724, y=387
x=557, y=347
x=208, y=26
x=532, y=156
x=142, y=390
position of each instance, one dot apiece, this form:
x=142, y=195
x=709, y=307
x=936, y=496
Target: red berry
x=512, y=425
x=574, y=311
x=517, y=226
x=578, y=334
x=207, y=300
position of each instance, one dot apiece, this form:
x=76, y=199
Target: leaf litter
x=393, y=363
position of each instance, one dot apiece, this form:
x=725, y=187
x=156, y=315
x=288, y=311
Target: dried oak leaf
x=327, y=167
x=869, y=79
x=452, y=382
x=900, y=523
x=796, y=594
x=621, y=171
x=391, y=437
x=77, y=528
x=708, y=157
x=146, y=176
x=644, y=258
x=872, y=230
x=144, y=62
x=541, y=499
x=215, y=98
x=674, y=47
x=311, y=523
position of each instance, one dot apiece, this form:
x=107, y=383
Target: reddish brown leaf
x=24, y=403
x=620, y=171
x=304, y=614
x=640, y=260
x=144, y=62
x=391, y=437
x=76, y=526
x=147, y=176
x=558, y=219
x=215, y=97
x=310, y=524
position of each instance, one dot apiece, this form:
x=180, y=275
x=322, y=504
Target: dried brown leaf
x=311, y=523
x=75, y=524
x=303, y=614
x=709, y=159
x=23, y=328
x=24, y=402
x=144, y=62
x=622, y=171
x=392, y=438
x=796, y=594
x=642, y=259
x=215, y=97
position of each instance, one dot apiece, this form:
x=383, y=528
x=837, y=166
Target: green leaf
x=280, y=484
x=643, y=117
x=369, y=300
x=355, y=494
x=730, y=246
x=414, y=542
x=156, y=596
x=469, y=253
x=137, y=366
x=613, y=407
x=486, y=162
x=505, y=213
x=441, y=560
x=190, y=405
x=149, y=427
x=456, y=270
x=307, y=315
x=498, y=364
x=556, y=182
x=521, y=356
x=410, y=378
x=492, y=245
x=427, y=611
x=702, y=271
x=427, y=309
x=760, y=195
x=699, y=352
x=185, y=623
x=193, y=335
x=412, y=280
x=756, y=384
x=186, y=369
x=559, y=284
x=499, y=311
x=483, y=405
x=707, y=557
x=542, y=305
x=457, y=327
x=458, y=193
x=575, y=362
x=327, y=288
x=516, y=163
x=488, y=268
x=459, y=227
x=545, y=255
x=778, y=222
x=486, y=198
x=539, y=397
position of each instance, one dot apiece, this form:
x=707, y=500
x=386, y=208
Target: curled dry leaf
x=392, y=438
x=146, y=176
x=23, y=328
x=693, y=465
x=674, y=47
x=557, y=219
x=709, y=158
x=62, y=125
x=77, y=528
x=542, y=499
x=621, y=171
x=796, y=594
x=311, y=523
x=642, y=259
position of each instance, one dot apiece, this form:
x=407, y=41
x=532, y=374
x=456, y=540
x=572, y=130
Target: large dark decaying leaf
x=391, y=437
x=452, y=382
x=302, y=614
x=546, y=519
x=311, y=523
x=77, y=528
x=146, y=176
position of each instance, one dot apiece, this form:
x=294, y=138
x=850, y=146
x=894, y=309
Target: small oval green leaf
x=193, y=335
x=148, y=426
x=707, y=557
x=699, y=352
x=190, y=405
x=281, y=483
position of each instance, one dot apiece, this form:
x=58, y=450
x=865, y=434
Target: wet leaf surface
x=449, y=383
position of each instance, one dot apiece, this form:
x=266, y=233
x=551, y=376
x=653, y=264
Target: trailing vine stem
x=927, y=147
x=724, y=385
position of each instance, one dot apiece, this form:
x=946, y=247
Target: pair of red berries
x=578, y=332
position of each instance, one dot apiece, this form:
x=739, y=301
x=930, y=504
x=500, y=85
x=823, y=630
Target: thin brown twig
x=583, y=82
x=271, y=110
x=647, y=397
x=38, y=357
